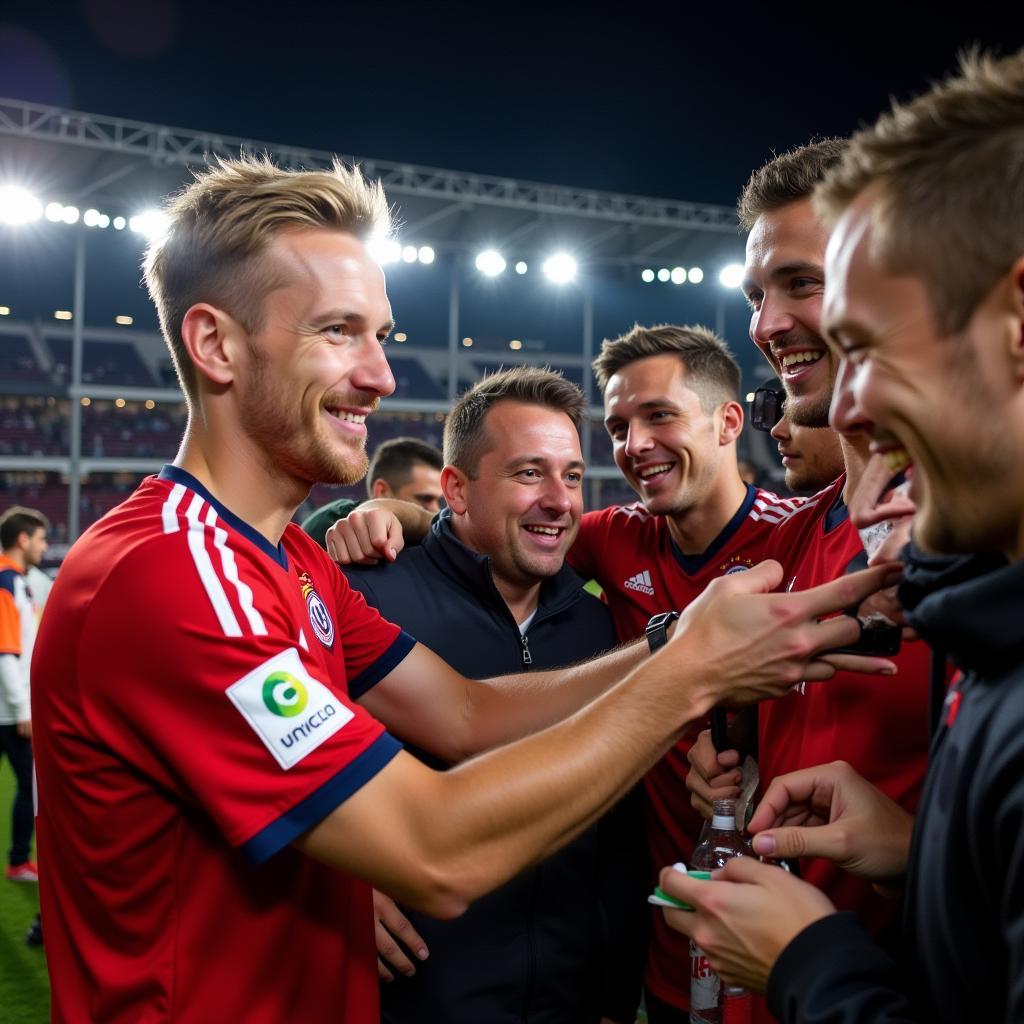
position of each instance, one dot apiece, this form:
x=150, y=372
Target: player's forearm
x=439, y=840
x=506, y=708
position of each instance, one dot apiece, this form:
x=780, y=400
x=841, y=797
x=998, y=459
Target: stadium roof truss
x=454, y=211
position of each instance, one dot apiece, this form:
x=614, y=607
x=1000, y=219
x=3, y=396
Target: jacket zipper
x=527, y=657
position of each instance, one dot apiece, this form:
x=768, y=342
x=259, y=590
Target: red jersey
x=877, y=723
x=630, y=552
x=194, y=714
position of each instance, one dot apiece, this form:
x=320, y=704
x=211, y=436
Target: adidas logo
x=641, y=581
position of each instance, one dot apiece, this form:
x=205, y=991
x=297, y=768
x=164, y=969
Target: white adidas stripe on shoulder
x=204, y=566
x=230, y=570
x=169, y=512
x=778, y=513
x=213, y=580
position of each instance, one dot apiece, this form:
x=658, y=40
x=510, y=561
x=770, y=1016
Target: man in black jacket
x=489, y=591
x=924, y=308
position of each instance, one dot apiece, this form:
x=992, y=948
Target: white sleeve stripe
x=230, y=568
x=170, y=509
x=207, y=574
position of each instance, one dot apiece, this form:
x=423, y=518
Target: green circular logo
x=284, y=695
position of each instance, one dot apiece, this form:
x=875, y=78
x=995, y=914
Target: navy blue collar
x=837, y=514
x=180, y=476
x=691, y=564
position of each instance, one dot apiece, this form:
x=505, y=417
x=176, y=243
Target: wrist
x=657, y=630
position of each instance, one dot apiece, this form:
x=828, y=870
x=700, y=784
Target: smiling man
x=217, y=788
x=489, y=591
x=924, y=308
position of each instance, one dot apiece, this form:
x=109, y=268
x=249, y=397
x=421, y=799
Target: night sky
x=678, y=101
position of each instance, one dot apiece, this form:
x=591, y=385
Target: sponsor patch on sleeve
x=290, y=711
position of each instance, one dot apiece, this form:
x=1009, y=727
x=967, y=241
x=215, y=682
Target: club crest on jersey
x=319, y=617
x=736, y=564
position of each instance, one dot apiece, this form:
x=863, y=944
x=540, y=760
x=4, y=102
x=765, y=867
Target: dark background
x=676, y=100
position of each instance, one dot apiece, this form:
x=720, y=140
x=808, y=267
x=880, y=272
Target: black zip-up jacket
x=562, y=943
x=962, y=954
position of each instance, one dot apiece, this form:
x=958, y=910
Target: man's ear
x=453, y=487
x=732, y=423
x=210, y=338
x=381, y=489
x=1017, y=303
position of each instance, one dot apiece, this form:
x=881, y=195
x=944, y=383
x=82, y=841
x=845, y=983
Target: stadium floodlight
x=70, y=215
x=664, y=274
x=5, y=310
x=467, y=342
x=750, y=396
x=490, y=262
x=560, y=268
x=401, y=336
x=91, y=218
x=409, y=253
x=731, y=275
x=124, y=320
x=515, y=344
x=62, y=314
x=54, y=212
x=425, y=254
x=522, y=267
x=120, y=223
x=678, y=275
x=18, y=206
x=151, y=224
x=104, y=221
x=647, y=276
x=384, y=250
x=696, y=275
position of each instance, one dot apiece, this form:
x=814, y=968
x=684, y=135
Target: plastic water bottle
x=710, y=1002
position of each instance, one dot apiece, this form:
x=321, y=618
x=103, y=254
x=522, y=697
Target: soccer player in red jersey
x=882, y=730
x=672, y=409
x=216, y=785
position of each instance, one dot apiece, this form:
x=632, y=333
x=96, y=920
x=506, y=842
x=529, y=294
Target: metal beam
x=163, y=145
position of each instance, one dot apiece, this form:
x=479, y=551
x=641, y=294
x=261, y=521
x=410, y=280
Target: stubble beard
x=294, y=448
x=811, y=411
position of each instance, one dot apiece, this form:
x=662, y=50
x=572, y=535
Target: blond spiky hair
x=221, y=225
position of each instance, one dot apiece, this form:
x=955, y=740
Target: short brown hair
x=18, y=520
x=949, y=172
x=393, y=461
x=787, y=178
x=711, y=370
x=222, y=224
x=465, y=435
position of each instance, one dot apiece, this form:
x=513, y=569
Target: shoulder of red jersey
x=617, y=515
x=169, y=544
x=768, y=507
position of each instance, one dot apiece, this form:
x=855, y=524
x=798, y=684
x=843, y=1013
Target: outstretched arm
x=437, y=840
x=429, y=704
